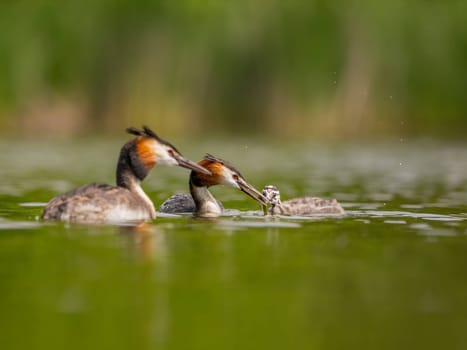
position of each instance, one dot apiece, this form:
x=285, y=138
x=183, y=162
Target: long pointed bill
x=252, y=192
x=186, y=163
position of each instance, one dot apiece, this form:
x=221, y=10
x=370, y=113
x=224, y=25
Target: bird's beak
x=188, y=164
x=252, y=192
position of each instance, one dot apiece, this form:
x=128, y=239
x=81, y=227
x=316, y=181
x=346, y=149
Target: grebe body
x=125, y=202
x=182, y=203
x=200, y=201
x=100, y=203
x=302, y=205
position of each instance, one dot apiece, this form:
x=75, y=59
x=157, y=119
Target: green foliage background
x=325, y=69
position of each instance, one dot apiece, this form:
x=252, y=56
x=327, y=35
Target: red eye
x=235, y=177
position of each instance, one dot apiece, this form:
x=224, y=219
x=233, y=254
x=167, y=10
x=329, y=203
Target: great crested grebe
x=201, y=201
x=125, y=202
x=300, y=206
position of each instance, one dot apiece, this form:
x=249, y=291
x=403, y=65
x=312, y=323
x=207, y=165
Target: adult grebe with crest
x=125, y=202
x=200, y=201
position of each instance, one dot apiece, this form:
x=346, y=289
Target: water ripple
x=400, y=214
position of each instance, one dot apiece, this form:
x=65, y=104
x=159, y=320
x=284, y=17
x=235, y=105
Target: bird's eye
x=235, y=177
x=170, y=151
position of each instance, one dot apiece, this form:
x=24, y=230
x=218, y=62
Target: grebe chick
x=125, y=202
x=201, y=201
x=300, y=206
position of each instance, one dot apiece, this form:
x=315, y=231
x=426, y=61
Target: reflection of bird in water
x=300, y=206
x=145, y=240
x=126, y=202
x=201, y=201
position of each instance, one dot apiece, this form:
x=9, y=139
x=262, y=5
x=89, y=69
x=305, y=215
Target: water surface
x=390, y=274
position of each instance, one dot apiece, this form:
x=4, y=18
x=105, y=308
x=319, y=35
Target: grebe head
x=272, y=194
x=225, y=174
x=152, y=149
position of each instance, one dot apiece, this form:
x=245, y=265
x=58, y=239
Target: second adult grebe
x=300, y=206
x=126, y=202
x=201, y=201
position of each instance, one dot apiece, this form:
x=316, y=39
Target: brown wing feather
x=90, y=203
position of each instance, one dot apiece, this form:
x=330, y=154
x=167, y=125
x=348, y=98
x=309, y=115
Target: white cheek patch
x=163, y=156
x=228, y=179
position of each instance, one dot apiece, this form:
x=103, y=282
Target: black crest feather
x=147, y=132
x=132, y=130
x=212, y=158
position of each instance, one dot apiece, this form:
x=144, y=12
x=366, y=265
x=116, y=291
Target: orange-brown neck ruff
x=201, y=180
x=145, y=150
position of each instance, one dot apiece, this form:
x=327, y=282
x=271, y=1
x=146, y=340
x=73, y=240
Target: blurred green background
x=390, y=275
x=324, y=69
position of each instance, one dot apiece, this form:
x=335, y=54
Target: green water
x=392, y=274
